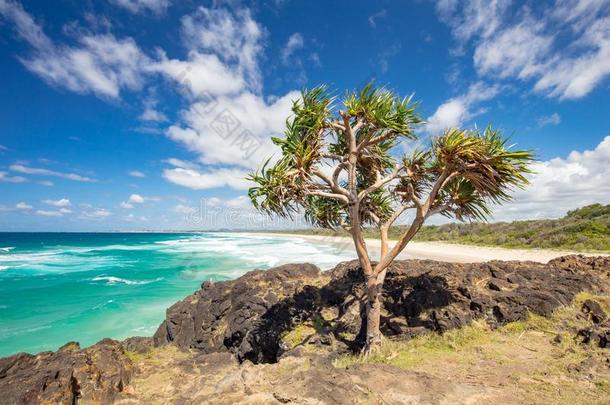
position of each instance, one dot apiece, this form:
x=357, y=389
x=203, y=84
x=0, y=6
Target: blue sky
x=110, y=110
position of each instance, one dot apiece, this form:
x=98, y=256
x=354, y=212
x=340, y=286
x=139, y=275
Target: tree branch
x=333, y=186
x=387, y=224
x=442, y=180
x=376, y=140
x=380, y=182
x=334, y=196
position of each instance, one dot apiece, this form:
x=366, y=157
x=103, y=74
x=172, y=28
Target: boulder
x=68, y=376
x=241, y=316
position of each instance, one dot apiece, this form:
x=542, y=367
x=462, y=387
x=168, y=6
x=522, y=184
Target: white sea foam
x=6, y=249
x=110, y=280
x=2, y=268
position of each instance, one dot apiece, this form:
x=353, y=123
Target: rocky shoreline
x=268, y=318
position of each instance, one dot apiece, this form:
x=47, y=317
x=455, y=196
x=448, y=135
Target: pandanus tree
x=339, y=167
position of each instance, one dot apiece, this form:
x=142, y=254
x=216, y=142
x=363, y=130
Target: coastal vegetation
x=339, y=164
x=585, y=229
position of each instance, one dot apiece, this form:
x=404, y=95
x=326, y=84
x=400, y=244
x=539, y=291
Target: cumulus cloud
x=139, y=6
x=136, y=199
x=234, y=38
x=455, y=111
x=63, y=202
x=562, y=184
x=200, y=179
x=522, y=42
x=23, y=206
x=237, y=132
x=20, y=168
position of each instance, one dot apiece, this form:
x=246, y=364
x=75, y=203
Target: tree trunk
x=373, y=316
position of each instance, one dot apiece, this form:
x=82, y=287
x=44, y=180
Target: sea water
x=60, y=287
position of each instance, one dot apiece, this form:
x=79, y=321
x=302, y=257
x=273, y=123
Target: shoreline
x=441, y=251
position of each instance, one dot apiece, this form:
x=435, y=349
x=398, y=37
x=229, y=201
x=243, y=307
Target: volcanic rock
x=68, y=376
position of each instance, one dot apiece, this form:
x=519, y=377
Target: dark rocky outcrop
x=70, y=375
x=249, y=316
x=228, y=315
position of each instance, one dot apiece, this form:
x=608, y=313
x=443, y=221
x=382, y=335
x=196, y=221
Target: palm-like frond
x=486, y=169
x=325, y=212
x=276, y=191
x=382, y=110
x=473, y=169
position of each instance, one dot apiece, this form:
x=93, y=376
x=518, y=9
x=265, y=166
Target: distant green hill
x=584, y=229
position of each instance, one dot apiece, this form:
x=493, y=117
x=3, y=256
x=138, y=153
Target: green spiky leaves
x=460, y=175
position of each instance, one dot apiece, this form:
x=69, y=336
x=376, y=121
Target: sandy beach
x=442, y=251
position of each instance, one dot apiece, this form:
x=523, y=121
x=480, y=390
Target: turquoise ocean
x=60, y=287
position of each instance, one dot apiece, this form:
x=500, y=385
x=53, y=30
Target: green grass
x=520, y=357
x=584, y=229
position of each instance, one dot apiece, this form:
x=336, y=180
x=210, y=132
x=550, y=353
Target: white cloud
x=136, y=199
x=221, y=73
x=214, y=144
x=99, y=63
x=184, y=209
x=564, y=47
x=295, y=42
x=152, y=115
x=229, y=124
x=63, y=202
x=139, y=6
x=23, y=206
x=201, y=74
x=208, y=178
x=3, y=148
x=95, y=214
x=46, y=183
x=45, y=213
x=20, y=168
x=562, y=184
x=470, y=17
x=136, y=173
x=6, y=178
x=553, y=119
x=454, y=112
x=223, y=54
